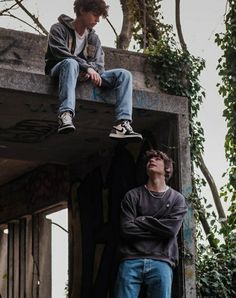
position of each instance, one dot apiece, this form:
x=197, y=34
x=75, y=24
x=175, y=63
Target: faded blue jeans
x=155, y=275
x=119, y=80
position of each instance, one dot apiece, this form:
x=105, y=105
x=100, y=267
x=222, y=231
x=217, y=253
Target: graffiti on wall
x=47, y=184
x=28, y=131
x=9, y=50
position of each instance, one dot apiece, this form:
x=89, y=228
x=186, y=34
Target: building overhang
x=28, y=101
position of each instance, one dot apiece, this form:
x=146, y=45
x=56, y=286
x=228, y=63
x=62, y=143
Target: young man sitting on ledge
x=74, y=53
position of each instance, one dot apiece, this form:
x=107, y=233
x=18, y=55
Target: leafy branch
x=227, y=89
x=178, y=74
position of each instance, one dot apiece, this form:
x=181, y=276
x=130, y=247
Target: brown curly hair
x=97, y=6
x=168, y=162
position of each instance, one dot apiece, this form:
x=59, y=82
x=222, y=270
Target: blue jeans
x=155, y=275
x=119, y=80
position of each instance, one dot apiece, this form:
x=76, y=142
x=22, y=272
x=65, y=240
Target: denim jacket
x=62, y=42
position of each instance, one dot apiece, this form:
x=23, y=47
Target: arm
x=165, y=227
x=128, y=226
x=97, y=63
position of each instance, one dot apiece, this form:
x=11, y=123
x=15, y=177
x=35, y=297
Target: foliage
x=178, y=74
x=217, y=268
x=147, y=24
x=227, y=71
x=66, y=293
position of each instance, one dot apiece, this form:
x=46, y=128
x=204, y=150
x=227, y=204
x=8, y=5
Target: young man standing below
x=151, y=217
x=74, y=53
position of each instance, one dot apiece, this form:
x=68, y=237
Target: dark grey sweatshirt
x=62, y=42
x=149, y=226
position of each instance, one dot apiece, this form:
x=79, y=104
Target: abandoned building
x=86, y=172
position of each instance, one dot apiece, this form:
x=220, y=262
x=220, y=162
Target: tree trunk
x=213, y=187
x=125, y=36
x=178, y=25
x=150, y=22
x=202, y=165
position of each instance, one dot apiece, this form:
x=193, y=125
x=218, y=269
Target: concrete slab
x=28, y=102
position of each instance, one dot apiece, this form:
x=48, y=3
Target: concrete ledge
x=28, y=101
x=25, y=51
x=22, y=69
x=37, y=84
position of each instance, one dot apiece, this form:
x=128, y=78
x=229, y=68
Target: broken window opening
x=59, y=229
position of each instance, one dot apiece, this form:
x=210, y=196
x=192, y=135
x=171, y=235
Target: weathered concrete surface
x=24, y=53
x=28, y=126
x=28, y=101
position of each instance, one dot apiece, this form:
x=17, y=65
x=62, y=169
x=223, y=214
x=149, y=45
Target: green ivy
x=178, y=73
x=217, y=269
x=227, y=89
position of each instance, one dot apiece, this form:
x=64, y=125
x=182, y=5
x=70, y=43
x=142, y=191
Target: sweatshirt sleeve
x=98, y=61
x=57, y=41
x=129, y=228
x=168, y=226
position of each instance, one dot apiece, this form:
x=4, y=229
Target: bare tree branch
x=178, y=25
x=207, y=230
x=144, y=25
x=213, y=187
x=22, y=21
x=59, y=226
x=112, y=27
x=202, y=164
x=8, y=9
x=18, y=4
x=35, y=20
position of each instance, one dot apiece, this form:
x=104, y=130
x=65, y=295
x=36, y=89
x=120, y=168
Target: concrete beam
x=28, y=102
x=22, y=69
x=41, y=85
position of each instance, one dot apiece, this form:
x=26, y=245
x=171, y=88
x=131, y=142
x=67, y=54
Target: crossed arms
x=134, y=226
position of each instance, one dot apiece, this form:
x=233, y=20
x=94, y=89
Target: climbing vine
x=178, y=73
x=227, y=89
x=217, y=267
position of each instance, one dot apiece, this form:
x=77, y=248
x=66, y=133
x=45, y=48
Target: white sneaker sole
x=120, y=137
x=66, y=129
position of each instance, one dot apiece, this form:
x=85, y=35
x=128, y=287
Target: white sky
x=200, y=21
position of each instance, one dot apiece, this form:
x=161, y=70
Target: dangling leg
x=68, y=72
x=120, y=80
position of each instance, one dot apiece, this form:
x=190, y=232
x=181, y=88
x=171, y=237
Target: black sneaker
x=124, y=131
x=65, y=123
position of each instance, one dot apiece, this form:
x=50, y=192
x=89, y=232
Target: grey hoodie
x=62, y=42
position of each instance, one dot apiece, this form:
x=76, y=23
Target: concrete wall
x=28, y=134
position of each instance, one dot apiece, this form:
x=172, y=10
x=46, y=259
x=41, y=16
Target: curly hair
x=97, y=6
x=168, y=162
